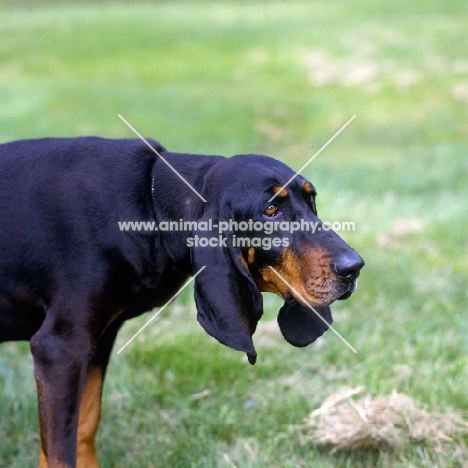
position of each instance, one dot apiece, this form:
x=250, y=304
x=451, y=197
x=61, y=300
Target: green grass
x=278, y=78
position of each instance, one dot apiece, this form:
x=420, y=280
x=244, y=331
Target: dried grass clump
x=384, y=422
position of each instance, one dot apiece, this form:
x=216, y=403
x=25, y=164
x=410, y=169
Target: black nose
x=347, y=266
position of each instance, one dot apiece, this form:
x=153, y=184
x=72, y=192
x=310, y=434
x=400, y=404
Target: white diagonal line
x=161, y=309
x=313, y=310
x=159, y=155
x=312, y=158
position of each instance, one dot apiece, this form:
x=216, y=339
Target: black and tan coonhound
x=69, y=276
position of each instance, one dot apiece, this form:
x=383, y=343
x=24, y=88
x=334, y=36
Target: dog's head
x=250, y=242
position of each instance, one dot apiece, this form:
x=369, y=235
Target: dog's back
x=59, y=198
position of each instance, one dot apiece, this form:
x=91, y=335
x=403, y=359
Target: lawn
x=278, y=78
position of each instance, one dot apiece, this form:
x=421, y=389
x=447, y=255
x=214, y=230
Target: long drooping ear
x=300, y=325
x=228, y=301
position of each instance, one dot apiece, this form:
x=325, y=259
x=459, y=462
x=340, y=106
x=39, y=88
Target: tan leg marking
x=43, y=463
x=90, y=411
x=42, y=459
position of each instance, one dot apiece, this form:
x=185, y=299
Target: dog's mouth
x=345, y=296
x=342, y=291
x=316, y=291
x=351, y=287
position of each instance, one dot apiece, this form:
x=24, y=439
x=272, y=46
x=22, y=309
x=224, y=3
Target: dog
x=70, y=275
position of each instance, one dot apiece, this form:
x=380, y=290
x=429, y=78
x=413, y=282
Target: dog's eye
x=272, y=210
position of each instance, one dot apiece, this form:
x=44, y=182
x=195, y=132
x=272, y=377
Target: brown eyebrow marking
x=307, y=187
x=251, y=256
x=282, y=192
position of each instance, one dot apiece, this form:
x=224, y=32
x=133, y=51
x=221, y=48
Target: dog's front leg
x=90, y=407
x=61, y=358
